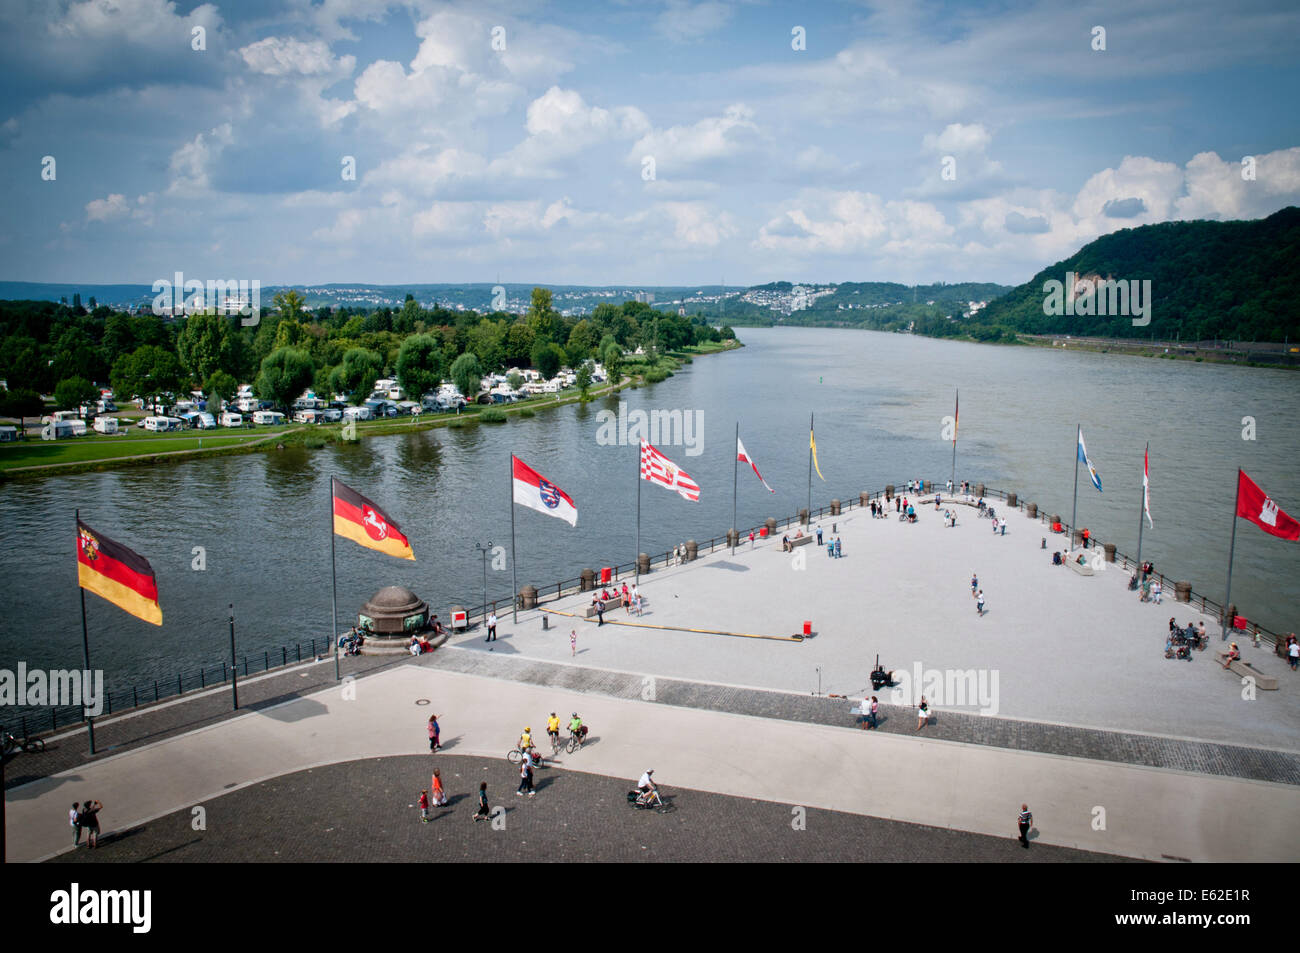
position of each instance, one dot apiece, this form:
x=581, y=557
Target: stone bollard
x=1183, y=592
x=692, y=551
x=770, y=523
x=889, y=492
x=1231, y=614
x=643, y=564
x=979, y=490
x=1110, y=551
x=1031, y=510
x=528, y=597
x=456, y=610
x=803, y=516
x=1076, y=537
x=1012, y=500
x=733, y=538
x=864, y=498
x=835, y=507
x=587, y=580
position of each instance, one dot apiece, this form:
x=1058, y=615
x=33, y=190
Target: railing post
x=155, y=689
x=108, y=701
x=203, y=677
x=135, y=700
x=284, y=655
x=245, y=666
x=180, y=685
x=298, y=648
x=266, y=660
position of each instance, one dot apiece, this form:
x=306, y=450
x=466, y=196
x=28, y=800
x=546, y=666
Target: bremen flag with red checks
x=363, y=522
x=657, y=468
x=1253, y=504
x=120, y=575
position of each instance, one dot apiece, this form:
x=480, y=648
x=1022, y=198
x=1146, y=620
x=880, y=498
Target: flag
x=812, y=443
x=956, y=417
x=1146, y=487
x=363, y=522
x=657, y=468
x=120, y=575
x=532, y=490
x=1253, y=504
x=743, y=457
x=1083, y=458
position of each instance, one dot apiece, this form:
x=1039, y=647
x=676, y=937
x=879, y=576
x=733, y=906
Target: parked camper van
x=105, y=425
x=356, y=413
x=163, y=424
x=268, y=418
x=229, y=419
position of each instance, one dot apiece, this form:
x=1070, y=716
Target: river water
x=263, y=519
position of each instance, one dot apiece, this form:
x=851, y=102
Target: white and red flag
x=534, y=491
x=1253, y=504
x=657, y=468
x=744, y=457
x=1146, y=487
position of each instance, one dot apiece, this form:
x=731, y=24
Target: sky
x=658, y=142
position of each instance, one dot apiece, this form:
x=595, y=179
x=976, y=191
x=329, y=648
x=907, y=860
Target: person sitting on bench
x=1233, y=655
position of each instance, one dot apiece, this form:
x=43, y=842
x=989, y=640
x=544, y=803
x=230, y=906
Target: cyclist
x=577, y=729
x=646, y=785
x=553, y=729
x=526, y=741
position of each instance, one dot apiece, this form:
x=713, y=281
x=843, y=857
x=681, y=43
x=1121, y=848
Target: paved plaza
x=1064, y=648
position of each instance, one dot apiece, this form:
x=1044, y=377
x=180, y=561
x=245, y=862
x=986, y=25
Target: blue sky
x=652, y=143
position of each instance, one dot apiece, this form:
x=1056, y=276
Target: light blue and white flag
x=1083, y=458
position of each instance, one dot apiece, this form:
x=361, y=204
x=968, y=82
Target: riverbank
x=1242, y=353
x=97, y=452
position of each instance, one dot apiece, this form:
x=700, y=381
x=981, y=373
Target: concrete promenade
x=1060, y=648
x=1149, y=813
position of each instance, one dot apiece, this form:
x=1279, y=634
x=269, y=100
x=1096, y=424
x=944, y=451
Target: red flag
x=534, y=491
x=657, y=468
x=743, y=457
x=1253, y=504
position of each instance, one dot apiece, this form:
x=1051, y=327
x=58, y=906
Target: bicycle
x=650, y=800
x=30, y=745
x=555, y=743
x=575, y=741
x=516, y=755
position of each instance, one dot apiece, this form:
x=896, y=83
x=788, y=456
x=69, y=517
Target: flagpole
x=334, y=590
x=1075, y=510
x=636, y=561
x=811, y=438
x=1142, y=503
x=735, y=460
x=1232, y=546
x=514, y=562
x=85, y=645
x=956, y=408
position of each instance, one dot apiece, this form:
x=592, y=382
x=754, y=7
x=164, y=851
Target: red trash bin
x=807, y=628
x=762, y=531
x=606, y=576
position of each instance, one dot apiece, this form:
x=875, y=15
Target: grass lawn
x=28, y=453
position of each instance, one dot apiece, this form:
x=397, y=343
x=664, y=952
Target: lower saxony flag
x=118, y=574
x=363, y=522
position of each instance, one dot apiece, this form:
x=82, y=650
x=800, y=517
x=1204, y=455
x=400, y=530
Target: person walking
x=627, y=600
x=751, y=539
x=600, y=611
x=838, y=551
x=819, y=535
x=922, y=714
x=1293, y=652
x=90, y=821
x=1004, y=526
x=74, y=819
x=573, y=643
x=974, y=584
x=526, y=776
x=483, y=811
x=1026, y=821
x=979, y=603
x=492, y=627
x=434, y=731
x=424, y=807
x=439, y=795
x=639, y=605
x=873, y=713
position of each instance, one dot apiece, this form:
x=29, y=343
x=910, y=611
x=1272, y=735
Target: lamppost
x=483, y=551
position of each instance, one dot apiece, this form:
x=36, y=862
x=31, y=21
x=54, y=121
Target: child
x=483, y=810
x=439, y=796
x=433, y=734
x=424, y=807
x=979, y=603
x=573, y=643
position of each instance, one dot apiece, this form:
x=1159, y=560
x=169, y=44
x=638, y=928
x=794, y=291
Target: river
x=263, y=519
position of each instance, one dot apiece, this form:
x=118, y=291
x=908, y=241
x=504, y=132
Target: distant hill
x=1233, y=280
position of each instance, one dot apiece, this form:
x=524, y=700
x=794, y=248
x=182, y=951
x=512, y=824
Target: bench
x=1082, y=568
x=1263, y=682
x=802, y=540
x=613, y=602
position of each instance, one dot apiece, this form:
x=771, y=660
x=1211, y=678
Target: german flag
x=362, y=522
x=118, y=574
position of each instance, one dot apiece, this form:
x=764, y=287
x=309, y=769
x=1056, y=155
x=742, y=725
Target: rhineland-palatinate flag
x=1253, y=504
x=743, y=457
x=120, y=575
x=657, y=468
x=363, y=522
x=534, y=491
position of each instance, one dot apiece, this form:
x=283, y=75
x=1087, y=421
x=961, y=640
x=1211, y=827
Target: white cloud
x=107, y=209
x=958, y=139
x=190, y=165
x=710, y=139
x=682, y=21
x=276, y=56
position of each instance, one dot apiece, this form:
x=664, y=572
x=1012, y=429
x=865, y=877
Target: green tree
x=582, y=339
x=584, y=381
x=219, y=388
x=541, y=317
x=289, y=305
x=611, y=355
x=285, y=374
x=20, y=404
x=357, y=374
x=515, y=380
x=487, y=340
x=466, y=373
x=204, y=345
x=71, y=393
x=547, y=358
x=519, y=343
x=419, y=365
x=146, y=372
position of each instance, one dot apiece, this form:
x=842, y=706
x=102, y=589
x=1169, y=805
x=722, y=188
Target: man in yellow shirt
x=553, y=728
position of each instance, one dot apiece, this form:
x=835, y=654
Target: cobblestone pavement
x=1258, y=764
x=310, y=816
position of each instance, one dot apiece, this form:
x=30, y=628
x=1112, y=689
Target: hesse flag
x=1083, y=458
x=1253, y=504
x=657, y=468
x=532, y=490
x=118, y=574
x=743, y=457
x=362, y=522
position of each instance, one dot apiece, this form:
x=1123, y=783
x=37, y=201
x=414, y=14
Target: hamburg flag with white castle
x=534, y=491
x=1253, y=504
x=657, y=468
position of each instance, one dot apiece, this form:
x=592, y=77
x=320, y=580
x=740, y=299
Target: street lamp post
x=483, y=551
